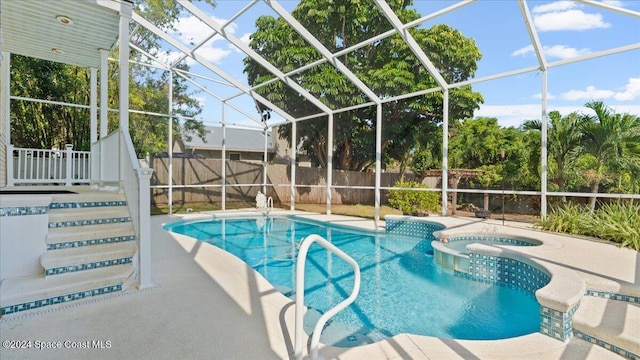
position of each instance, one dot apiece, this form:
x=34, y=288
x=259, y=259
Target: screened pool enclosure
x=327, y=147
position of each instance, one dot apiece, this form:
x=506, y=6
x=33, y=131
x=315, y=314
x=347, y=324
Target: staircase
x=90, y=252
x=611, y=321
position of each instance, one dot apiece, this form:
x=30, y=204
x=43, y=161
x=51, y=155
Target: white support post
x=445, y=150
x=170, y=142
x=378, y=161
x=93, y=105
x=543, y=150
x=104, y=93
x=123, y=61
x=69, y=164
x=223, y=156
x=5, y=116
x=329, y=162
x=294, y=149
x=265, y=159
x=144, y=229
x=5, y=89
x=10, y=175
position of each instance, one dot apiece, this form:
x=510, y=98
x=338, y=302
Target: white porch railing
x=115, y=163
x=42, y=166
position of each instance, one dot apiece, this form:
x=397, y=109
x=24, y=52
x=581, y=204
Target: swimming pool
x=403, y=291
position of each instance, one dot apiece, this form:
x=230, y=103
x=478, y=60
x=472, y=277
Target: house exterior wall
x=283, y=151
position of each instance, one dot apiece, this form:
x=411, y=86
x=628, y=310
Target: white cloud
x=574, y=20
x=556, y=51
x=589, y=94
x=631, y=92
x=246, y=38
x=539, y=96
x=213, y=54
x=613, y=3
x=516, y=114
x=523, y=51
x=194, y=31
x=563, y=52
x=555, y=6
x=168, y=58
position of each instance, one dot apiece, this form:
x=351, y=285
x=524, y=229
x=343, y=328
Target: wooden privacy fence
x=244, y=180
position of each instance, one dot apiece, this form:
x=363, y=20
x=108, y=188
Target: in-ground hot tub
x=451, y=252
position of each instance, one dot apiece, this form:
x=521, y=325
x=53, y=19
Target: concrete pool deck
x=209, y=304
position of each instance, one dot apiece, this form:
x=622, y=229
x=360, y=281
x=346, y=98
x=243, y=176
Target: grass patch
x=358, y=210
x=196, y=207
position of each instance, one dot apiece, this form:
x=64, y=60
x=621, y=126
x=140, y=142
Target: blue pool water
x=402, y=290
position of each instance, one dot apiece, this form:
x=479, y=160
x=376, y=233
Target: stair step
x=612, y=324
x=78, y=236
x=71, y=260
x=35, y=291
x=88, y=196
x=88, y=216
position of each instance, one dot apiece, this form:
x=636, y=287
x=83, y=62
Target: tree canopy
x=388, y=67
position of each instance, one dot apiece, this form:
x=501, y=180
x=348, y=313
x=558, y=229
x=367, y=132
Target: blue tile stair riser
x=87, y=266
x=613, y=296
x=59, y=224
x=606, y=345
x=23, y=210
x=89, y=242
x=11, y=309
x=84, y=204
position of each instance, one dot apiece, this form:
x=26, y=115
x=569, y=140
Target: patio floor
x=208, y=304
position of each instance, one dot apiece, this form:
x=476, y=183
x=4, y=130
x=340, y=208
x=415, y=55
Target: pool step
x=88, y=216
x=27, y=294
x=90, y=251
x=83, y=258
x=612, y=324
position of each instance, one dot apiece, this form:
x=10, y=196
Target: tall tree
x=613, y=140
x=388, y=67
x=563, y=141
x=475, y=142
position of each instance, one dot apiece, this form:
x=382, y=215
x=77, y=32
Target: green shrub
x=617, y=222
x=410, y=201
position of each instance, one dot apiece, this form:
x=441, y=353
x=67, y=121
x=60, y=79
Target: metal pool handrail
x=302, y=258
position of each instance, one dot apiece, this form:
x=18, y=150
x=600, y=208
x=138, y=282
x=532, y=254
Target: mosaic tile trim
x=87, y=266
x=613, y=296
x=418, y=229
x=80, y=243
x=557, y=324
x=59, y=224
x=11, y=309
x=494, y=269
x=23, y=210
x=83, y=204
x=501, y=240
x=606, y=345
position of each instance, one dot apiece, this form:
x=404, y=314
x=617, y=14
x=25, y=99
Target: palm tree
x=613, y=140
x=562, y=140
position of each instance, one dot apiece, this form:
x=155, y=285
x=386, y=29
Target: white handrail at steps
x=302, y=258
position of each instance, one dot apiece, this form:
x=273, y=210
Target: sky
x=566, y=30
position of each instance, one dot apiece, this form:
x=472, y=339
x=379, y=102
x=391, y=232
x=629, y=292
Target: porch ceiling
x=34, y=28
